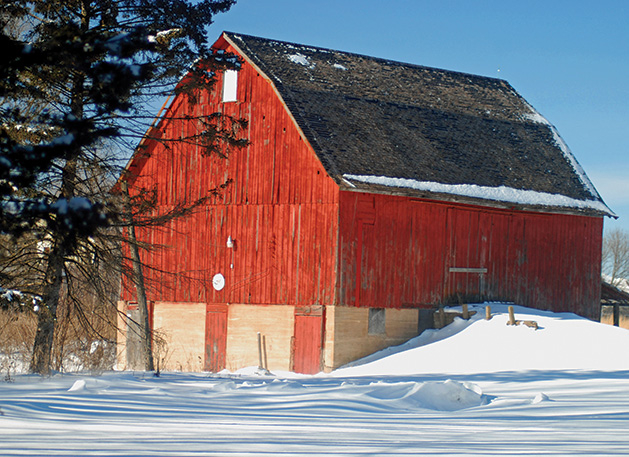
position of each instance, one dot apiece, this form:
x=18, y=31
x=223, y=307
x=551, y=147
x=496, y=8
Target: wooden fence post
x=511, y=316
x=260, y=364
x=266, y=362
x=466, y=314
x=487, y=312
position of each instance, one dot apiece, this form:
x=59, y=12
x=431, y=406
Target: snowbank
x=563, y=342
x=475, y=387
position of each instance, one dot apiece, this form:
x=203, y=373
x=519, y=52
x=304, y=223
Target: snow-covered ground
x=478, y=387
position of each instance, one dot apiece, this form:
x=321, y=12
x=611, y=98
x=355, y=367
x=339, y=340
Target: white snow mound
x=77, y=386
x=564, y=341
x=436, y=395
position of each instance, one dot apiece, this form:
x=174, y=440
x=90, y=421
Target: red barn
x=370, y=190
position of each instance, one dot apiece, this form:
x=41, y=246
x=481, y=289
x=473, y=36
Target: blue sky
x=569, y=59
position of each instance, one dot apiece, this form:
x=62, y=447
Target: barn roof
x=385, y=126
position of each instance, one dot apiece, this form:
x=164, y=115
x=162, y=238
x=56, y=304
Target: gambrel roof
x=384, y=126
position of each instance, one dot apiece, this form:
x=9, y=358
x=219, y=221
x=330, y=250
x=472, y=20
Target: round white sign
x=218, y=281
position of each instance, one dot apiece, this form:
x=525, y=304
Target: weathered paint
x=281, y=209
x=308, y=339
x=299, y=241
x=419, y=252
x=215, y=337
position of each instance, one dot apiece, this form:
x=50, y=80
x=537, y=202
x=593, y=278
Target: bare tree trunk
x=47, y=315
x=53, y=280
x=146, y=340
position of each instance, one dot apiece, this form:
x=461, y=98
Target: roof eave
x=443, y=197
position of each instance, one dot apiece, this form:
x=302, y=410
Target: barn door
x=308, y=339
x=215, y=337
x=466, y=260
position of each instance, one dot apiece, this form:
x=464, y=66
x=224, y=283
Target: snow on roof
x=537, y=117
x=499, y=194
x=301, y=60
x=379, y=120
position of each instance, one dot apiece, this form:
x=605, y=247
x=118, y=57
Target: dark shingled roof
x=373, y=117
x=611, y=294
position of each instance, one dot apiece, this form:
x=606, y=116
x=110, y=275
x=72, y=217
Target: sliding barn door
x=468, y=234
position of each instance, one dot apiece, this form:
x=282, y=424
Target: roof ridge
x=369, y=116
x=366, y=56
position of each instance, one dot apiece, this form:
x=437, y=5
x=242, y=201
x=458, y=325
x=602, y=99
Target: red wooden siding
x=298, y=240
x=215, y=337
x=308, y=339
x=416, y=252
x=281, y=209
x=467, y=238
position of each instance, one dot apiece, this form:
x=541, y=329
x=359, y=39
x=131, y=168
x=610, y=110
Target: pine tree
x=79, y=78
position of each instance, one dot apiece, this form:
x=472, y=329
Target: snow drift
x=475, y=387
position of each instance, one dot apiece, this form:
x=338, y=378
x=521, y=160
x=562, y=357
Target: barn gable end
x=277, y=187
x=371, y=191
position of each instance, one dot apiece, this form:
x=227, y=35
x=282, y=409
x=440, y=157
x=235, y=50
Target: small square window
x=230, y=85
x=376, y=321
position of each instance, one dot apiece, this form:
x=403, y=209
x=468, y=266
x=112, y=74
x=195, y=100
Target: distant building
x=614, y=306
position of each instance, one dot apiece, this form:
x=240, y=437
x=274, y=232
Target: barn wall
x=181, y=326
x=402, y=252
x=128, y=336
x=121, y=336
x=299, y=241
x=275, y=323
x=280, y=208
x=181, y=336
x=347, y=337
